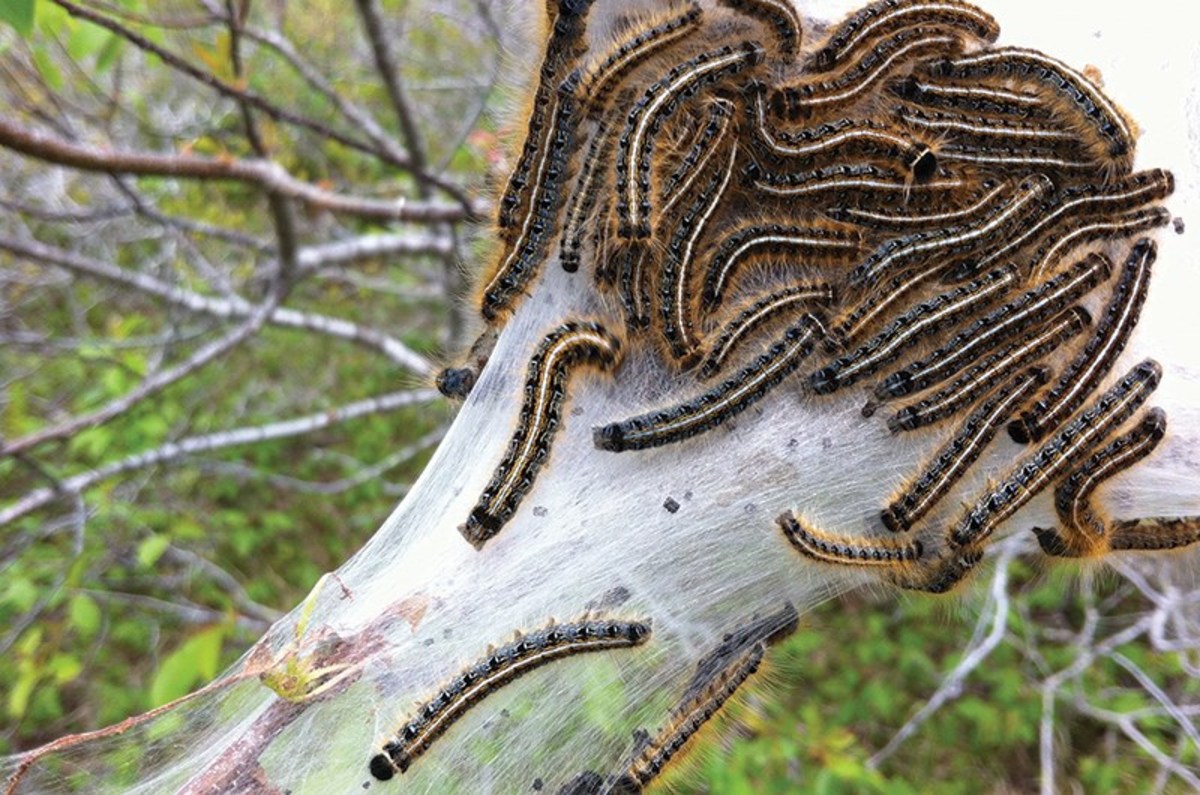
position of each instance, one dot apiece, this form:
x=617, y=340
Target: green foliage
x=850, y=678
x=194, y=663
x=92, y=657
x=19, y=14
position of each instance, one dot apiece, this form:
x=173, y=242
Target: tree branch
x=145, y=208
x=385, y=65
x=1052, y=684
x=149, y=387
x=1130, y=730
x=952, y=685
x=282, y=217
x=362, y=475
x=212, y=81
x=263, y=173
x=343, y=252
x=389, y=346
x=226, y=581
x=356, y=115
x=172, y=451
x=66, y=216
x=388, y=155
x=186, y=612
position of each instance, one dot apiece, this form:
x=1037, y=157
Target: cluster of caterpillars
x=900, y=205
x=899, y=208
x=717, y=678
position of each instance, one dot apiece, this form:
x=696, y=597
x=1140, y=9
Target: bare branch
x=363, y=475
x=171, y=23
x=212, y=81
x=387, y=154
x=19, y=542
x=57, y=344
x=470, y=120
x=385, y=65
x=146, y=208
x=391, y=347
x=1088, y=653
x=227, y=582
x=1130, y=730
x=282, y=216
x=426, y=292
x=66, y=216
x=263, y=173
x=1151, y=687
x=172, y=451
x=149, y=387
x=343, y=252
x=952, y=686
x=188, y=613
x=355, y=114
x=48, y=594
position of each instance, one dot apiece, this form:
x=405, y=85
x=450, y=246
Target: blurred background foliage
x=121, y=591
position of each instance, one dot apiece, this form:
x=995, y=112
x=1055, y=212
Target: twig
x=341, y=252
x=188, y=613
x=171, y=23
x=50, y=593
x=428, y=292
x=1052, y=684
x=229, y=307
x=30, y=758
x=66, y=216
x=363, y=475
x=356, y=115
x=1130, y=730
x=283, y=219
x=470, y=121
x=266, y=174
x=171, y=451
x=1153, y=689
x=149, y=387
x=227, y=582
x=385, y=65
x=147, y=209
x=212, y=81
x=951, y=686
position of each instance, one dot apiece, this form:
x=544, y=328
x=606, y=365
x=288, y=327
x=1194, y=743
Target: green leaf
x=19, y=14
x=243, y=540
x=87, y=39
x=115, y=381
x=150, y=550
x=84, y=614
x=14, y=416
x=21, y=594
x=27, y=647
x=18, y=697
x=108, y=54
x=54, y=20
x=191, y=664
x=187, y=529
x=153, y=429
x=92, y=443
x=46, y=68
x=64, y=667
